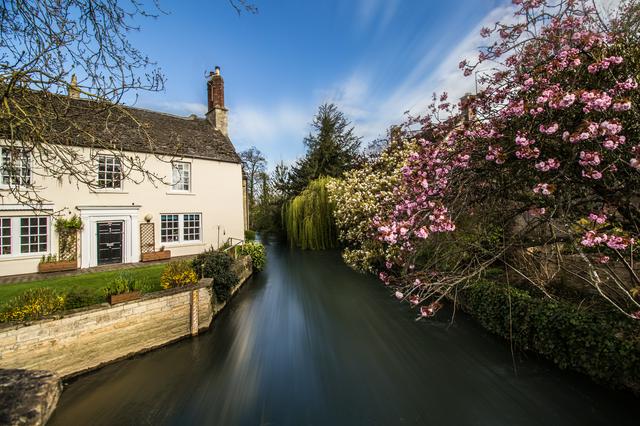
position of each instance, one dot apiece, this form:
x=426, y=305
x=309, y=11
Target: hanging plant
x=74, y=223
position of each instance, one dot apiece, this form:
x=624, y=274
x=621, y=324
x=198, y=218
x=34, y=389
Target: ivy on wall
x=604, y=345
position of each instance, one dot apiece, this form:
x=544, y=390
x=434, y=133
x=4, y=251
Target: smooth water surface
x=310, y=342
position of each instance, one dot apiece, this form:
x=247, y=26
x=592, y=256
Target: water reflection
x=310, y=342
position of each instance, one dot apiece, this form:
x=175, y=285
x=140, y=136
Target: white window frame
x=20, y=179
x=162, y=222
x=4, y=236
x=16, y=237
x=177, y=183
x=181, y=220
x=184, y=227
x=118, y=188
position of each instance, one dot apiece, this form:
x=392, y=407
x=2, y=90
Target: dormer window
x=15, y=165
x=181, y=176
x=109, y=172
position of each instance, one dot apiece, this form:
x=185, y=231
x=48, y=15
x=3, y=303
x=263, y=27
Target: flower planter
x=124, y=297
x=156, y=255
x=65, y=265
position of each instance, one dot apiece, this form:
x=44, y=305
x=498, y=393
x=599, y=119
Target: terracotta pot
x=124, y=297
x=64, y=265
x=156, y=255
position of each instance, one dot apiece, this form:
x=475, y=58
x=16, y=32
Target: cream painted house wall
x=216, y=193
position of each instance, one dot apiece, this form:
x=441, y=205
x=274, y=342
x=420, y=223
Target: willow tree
x=308, y=218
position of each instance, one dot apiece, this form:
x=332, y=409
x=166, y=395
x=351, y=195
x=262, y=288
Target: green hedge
x=603, y=345
x=219, y=266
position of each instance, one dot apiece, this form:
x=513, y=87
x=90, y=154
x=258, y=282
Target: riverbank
x=86, y=339
x=602, y=344
x=78, y=341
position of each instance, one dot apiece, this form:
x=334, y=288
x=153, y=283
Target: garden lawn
x=87, y=283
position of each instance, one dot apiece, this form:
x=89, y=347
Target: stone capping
x=28, y=397
x=202, y=283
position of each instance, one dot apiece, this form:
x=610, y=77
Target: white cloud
x=272, y=129
x=374, y=112
x=375, y=12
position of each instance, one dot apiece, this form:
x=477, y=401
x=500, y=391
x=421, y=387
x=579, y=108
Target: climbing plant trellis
x=147, y=238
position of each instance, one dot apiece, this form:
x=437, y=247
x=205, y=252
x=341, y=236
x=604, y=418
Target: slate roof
x=79, y=122
x=178, y=136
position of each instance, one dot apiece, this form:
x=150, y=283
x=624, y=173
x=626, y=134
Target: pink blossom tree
x=542, y=164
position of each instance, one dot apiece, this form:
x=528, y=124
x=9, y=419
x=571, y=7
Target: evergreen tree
x=332, y=149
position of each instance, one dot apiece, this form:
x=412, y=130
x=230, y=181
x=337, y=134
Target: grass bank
x=89, y=284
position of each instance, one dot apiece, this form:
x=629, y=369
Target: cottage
x=197, y=202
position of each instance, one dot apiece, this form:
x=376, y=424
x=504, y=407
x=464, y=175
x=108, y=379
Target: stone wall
x=85, y=339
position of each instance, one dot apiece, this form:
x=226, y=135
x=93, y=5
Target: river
x=310, y=342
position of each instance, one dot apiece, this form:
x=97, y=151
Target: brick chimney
x=73, y=90
x=217, y=114
x=467, y=108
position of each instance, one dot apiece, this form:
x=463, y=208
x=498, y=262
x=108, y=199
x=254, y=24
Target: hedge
x=219, y=266
x=603, y=345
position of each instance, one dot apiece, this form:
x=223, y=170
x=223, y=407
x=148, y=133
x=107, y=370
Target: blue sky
x=376, y=59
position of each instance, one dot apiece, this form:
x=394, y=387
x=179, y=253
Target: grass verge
x=90, y=284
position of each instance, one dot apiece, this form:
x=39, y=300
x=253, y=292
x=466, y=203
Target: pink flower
x=537, y=211
x=523, y=141
x=592, y=239
x=622, y=106
x=603, y=259
x=414, y=299
x=550, y=129
x=598, y=218
x=399, y=295
x=617, y=243
x=592, y=174
x=544, y=189
x=430, y=310
x=422, y=233
x=635, y=163
x=589, y=158
x=550, y=164
x=495, y=154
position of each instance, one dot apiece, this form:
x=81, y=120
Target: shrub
x=33, y=304
x=604, y=345
x=249, y=235
x=80, y=297
x=257, y=252
x=123, y=283
x=178, y=274
x=219, y=266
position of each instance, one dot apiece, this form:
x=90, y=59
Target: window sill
x=108, y=191
x=182, y=244
x=5, y=187
x=179, y=193
x=27, y=256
